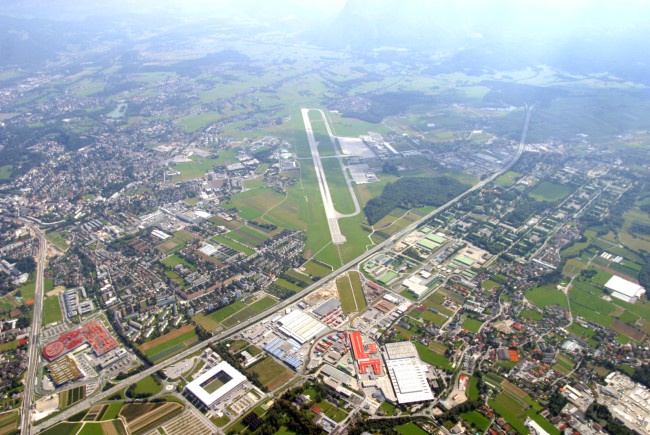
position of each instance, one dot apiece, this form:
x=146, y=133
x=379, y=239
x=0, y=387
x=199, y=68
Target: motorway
x=34, y=335
x=86, y=403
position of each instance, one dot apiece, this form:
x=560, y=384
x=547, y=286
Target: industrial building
x=285, y=351
x=214, y=385
x=301, y=326
x=407, y=372
x=624, y=289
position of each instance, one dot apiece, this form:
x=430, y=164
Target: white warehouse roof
x=301, y=326
x=624, y=289
x=407, y=373
x=409, y=380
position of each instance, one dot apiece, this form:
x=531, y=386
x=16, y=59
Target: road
x=295, y=298
x=34, y=335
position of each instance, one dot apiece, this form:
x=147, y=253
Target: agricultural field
x=9, y=422
x=564, y=365
x=246, y=250
x=142, y=417
x=573, y=267
x=169, y=344
x=271, y=373
x=63, y=429
x=112, y=411
x=250, y=311
x=69, y=397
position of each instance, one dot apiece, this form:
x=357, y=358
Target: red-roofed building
x=357, y=346
x=374, y=363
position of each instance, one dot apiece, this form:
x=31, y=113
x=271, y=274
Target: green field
x=234, y=245
x=547, y=295
x=411, y=429
x=333, y=412
x=170, y=347
x=550, y=192
x=564, y=365
x=249, y=311
x=512, y=410
x=477, y=419
x=5, y=172
x=270, y=373
x=431, y=357
x=223, y=313
x=52, y=310
x=174, y=260
x=194, y=169
x=148, y=386
x=63, y=429
x=472, y=325
x=508, y=179
x=531, y=314
x=112, y=411
x=58, y=239
x=472, y=389
x=351, y=292
x=29, y=289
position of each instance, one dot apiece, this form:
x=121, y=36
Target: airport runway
x=330, y=212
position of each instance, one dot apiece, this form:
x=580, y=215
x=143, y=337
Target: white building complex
x=214, y=385
x=407, y=372
x=301, y=326
x=624, y=289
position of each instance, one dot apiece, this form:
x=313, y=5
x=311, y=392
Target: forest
x=412, y=192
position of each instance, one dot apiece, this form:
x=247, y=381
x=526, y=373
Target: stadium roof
x=236, y=379
x=624, y=289
x=301, y=326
